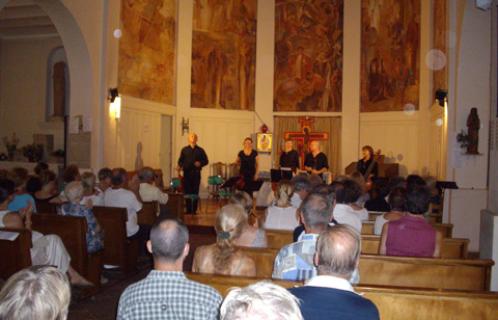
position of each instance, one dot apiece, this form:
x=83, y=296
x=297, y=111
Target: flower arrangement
x=11, y=145
x=463, y=138
x=34, y=152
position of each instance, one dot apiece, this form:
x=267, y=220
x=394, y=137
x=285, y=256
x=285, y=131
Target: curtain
x=331, y=147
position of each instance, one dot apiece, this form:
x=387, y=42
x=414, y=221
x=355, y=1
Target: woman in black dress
x=247, y=159
x=367, y=165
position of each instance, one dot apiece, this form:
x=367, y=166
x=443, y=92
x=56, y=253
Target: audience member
x=40, y=167
x=345, y=210
x=48, y=192
x=22, y=199
x=329, y=295
x=262, y=300
x=72, y=173
x=302, y=187
x=411, y=235
x=33, y=184
x=105, y=176
x=252, y=235
x=38, y=292
x=397, y=202
x=166, y=293
x=90, y=191
x=282, y=215
x=223, y=257
x=380, y=191
x=94, y=235
x=413, y=181
x=360, y=180
x=46, y=249
x=148, y=190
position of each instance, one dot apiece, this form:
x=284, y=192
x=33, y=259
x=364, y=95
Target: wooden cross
x=305, y=136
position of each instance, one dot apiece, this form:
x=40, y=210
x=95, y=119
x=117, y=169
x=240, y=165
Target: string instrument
x=368, y=173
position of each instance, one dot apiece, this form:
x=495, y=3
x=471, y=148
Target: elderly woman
x=223, y=257
x=282, y=215
x=251, y=235
x=411, y=235
x=345, y=210
x=149, y=190
x=397, y=202
x=90, y=191
x=47, y=249
x=39, y=292
x=74, y=193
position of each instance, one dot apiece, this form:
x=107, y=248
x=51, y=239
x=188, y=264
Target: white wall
x=23, y=85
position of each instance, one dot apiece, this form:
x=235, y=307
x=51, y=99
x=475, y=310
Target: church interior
x=92, y=84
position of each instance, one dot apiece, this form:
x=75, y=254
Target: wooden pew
x=278, y=238
x=16, y=254
x=393, y=303
x=118, y=249
x=452, y=248
x=446, y=229
x=176, y=205
x=148, y=214
x=72, y=231
x=402, y=271
x=46, y=207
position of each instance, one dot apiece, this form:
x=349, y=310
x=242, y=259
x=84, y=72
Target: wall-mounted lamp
x=115, y=106
x=185, y=126
x=441, y=96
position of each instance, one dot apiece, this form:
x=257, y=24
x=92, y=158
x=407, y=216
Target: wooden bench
x=16, y=254
x=277, y=239
x=45, y=207
x=118, y=249
x=176, y=205
x=72, y=231
x=446, y=229
x=393, y=303
x=148, y=214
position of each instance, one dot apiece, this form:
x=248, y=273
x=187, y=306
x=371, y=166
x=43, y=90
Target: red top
x=410, y=237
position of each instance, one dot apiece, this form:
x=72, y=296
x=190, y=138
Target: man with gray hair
x=148, y=189
x=329, y=295
x=262, y=300
x=166, y=293
x=302, y=187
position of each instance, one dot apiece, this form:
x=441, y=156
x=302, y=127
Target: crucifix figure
x=305, y=136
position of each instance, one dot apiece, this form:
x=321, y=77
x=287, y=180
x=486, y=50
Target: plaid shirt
x=168, y=295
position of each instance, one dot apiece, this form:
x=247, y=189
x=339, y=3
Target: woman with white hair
x=90, y=192
x=282, y=215
x=74, y=194
x=39, y=292
x=262, y=300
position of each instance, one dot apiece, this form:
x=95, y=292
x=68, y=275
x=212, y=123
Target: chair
x=216, y=179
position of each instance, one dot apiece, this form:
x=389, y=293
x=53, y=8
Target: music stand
x=280, y=174
x=443, y=185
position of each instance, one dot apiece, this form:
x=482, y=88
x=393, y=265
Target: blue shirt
x=21, y=201
x=94, y=239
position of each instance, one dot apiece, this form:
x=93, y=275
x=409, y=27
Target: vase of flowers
x=11, y=146
x=34, y=152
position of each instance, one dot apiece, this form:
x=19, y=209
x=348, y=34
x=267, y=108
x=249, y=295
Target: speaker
x=484, y=4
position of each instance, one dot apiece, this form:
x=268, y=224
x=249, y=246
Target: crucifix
x=305, y=136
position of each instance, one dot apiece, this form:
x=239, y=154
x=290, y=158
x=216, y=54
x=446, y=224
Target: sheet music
x=8, y=235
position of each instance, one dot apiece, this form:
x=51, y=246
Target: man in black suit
x=329, y=295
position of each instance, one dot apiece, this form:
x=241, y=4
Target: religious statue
x=473, y=125
x=139, y=162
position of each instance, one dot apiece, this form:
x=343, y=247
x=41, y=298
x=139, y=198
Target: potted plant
x=11, y=146
x=34, y=152
x=463, y=138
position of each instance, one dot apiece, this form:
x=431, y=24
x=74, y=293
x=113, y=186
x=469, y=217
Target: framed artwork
x=264, y=142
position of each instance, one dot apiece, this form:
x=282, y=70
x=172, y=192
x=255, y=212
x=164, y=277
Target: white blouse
x=281, y=218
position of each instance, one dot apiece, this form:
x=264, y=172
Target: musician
x=289, y=158
x=247, y=159
x=192, y=159
x=316, y=162
x=367, y=165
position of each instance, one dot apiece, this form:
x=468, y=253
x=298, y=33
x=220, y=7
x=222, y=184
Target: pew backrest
x=16, y=253
x=148, y=214
x=113, y=222
x=278, y=238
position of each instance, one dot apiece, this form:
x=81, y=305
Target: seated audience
x=22, y=199
x=397, y=202
x=223, y=257
x=329, y=295
x=345, y=210
x=302, y=187
x=72, y=173
x=48, y=192
x=148, y=189
x=39, y=292
x=251, y=235
x=40, y=167
x=90, y=191
x=105, y=175
x=295, y=261
x=74, y=207
x=262, y=300
x=46, y=249
x=413, y=181
x=120, y=197
x=411, y=235
x=379, y=193
x=282, y=215
x=166, y=293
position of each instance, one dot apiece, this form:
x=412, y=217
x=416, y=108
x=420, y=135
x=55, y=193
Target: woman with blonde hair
x=223, y=257
x=39, y=292
x=282, y=215
x=252, y=235
x=90, y=192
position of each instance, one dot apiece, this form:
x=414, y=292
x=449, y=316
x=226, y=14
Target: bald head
x=168, y=239
x=192, y=138
x=314, y=146
x=338, y=251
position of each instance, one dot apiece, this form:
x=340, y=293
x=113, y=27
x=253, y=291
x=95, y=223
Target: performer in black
x=316, y=162
x=248, y=161
x=289, y=158
x=192, y=159
x=367, y=165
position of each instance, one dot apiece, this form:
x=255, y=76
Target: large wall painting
x=390, y=55
x=147, y=48
x=308, y=55
x=224, y=54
